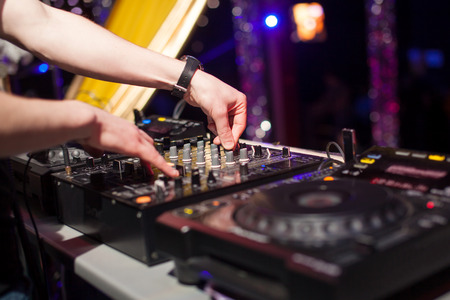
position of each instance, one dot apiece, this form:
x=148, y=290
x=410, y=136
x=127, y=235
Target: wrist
x=192, y=65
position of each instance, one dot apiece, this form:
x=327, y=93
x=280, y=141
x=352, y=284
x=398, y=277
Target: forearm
x=80, y=46
x=32, y=124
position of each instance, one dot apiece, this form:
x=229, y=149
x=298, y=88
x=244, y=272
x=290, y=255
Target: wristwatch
x=192, y=65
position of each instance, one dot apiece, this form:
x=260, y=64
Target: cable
x=40, y=281
x=66, y=156
x=331, y=161
x=179, y=107
x=337, y=146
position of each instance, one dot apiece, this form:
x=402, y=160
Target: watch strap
x=192, y=65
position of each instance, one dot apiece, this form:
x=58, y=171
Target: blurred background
x=309, y=69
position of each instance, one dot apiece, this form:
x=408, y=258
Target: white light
x=271, y=21
x=213, y=3
x=315, y=11
x=266, y=125
x=236, y=11
x=260, y=133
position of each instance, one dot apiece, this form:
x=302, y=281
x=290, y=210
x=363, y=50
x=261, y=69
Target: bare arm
x=80, y=46
x=38, y=124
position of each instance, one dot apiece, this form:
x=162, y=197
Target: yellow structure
x=162, y=26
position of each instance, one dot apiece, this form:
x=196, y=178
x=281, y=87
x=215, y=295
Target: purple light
x=383, y=66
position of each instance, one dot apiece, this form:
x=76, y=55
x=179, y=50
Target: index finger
x=224, y=130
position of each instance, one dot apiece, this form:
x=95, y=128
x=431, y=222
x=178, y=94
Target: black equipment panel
x=361, y=231
x=117, y=200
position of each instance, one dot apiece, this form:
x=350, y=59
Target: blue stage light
x=43, y=68
x=271, y=21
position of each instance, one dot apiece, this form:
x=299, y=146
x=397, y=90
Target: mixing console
x=117, y=200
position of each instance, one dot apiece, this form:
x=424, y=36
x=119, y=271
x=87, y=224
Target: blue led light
x=271, y=21
x=146, y=121
x=206, y=275
x=43, y=68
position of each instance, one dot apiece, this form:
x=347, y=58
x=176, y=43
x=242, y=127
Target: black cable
x=37, y=275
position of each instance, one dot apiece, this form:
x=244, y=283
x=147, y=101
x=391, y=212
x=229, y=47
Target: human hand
x=115, y=134
x=225, y=107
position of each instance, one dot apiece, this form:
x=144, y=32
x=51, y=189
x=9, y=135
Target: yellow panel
x=134, y=20
x=162, y=26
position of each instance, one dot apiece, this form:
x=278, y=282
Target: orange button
x=143, y=199
x=328, y=178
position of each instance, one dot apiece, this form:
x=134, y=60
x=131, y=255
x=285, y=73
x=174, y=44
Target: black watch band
x=192, y=65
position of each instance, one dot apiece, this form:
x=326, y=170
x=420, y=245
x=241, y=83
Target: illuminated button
x=328, y=178
x=355, y=173
x=436, y=157
x=215, y=204
x=367, y=160
x=402, y=153
x=188, y=211
x=161, y=119
x=146, y=121
x=374, y=156
x=143, y=199
x=419, y=155
x=360, y=166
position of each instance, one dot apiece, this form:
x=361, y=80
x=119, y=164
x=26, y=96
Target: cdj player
x=364, y=230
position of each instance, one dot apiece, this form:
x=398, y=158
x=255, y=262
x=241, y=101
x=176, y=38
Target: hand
x=225, y=107
x=115, y=134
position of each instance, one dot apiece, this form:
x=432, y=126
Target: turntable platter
x=320, y=213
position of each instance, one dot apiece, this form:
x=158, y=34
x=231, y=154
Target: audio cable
x=37, y=275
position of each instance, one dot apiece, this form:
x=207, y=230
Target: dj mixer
x=116, y=200
x=261, y=221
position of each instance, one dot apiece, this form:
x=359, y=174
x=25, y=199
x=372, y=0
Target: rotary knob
x=243, y=155
x=195, y=179
x=90, y=162
x=286, y=152
x=243, y=169
x=257, y=151
x=229, y=155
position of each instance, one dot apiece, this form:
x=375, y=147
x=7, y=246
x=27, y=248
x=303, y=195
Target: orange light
x=215, y=203
x=328, y=178
x=143, y=199
x=309, y=18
